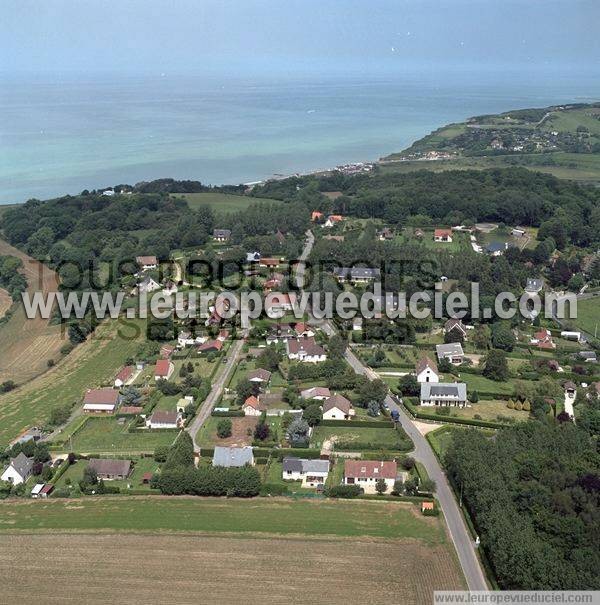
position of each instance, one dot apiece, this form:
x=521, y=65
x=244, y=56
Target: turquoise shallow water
x=66, y=133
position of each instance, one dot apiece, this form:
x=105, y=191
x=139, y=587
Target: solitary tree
x=381, y=486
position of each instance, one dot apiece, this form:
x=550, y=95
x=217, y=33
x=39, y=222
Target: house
x=110, y=469
x=320, y=393
x=221, y=235
x=277, y=302
x=316, y=216
x=451, y=351
x=123, y=377
x=232, y=456
x=442, y=235
x=269, y=262
x=252, y=257
x=385, y=234
x=357, y=324
x=169, y=288
x=534, y=285
x=457, y=325
x=356, y=275
x=163, y=369
x=338, y=407
x=543, y=339
x=146, y=262
x=496, y=248
x=210, y=346
x=223, y=335
x=108, y=192
x=148, y=285
x=518, y=232
x=251, y=407
x=305, y=350
x=419, y=233
x=18, y=470
x=570, y=388
x=101, y=401
x=366, y=473
x=312, y=473
x=303, y=329
x=280, y=333
x=259, y=376
x=427, y=370
x=333, y=219
x=147, y=478
x=588, y=356
x=164, y=419
x=185, y=339
x=452, y=394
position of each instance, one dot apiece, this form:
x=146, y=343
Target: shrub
x=511, y=404
x=161, y=452
x=343, y=491
x=224, y=428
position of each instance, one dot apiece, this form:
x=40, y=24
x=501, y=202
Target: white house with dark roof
x=534, y=285
x=18, y=470
x=320, y=393
x=453, y=394
x=312, y=473
x=221, y=235
x=356, y=275
x=146, y=262
x=305, y=350
x=427, y=370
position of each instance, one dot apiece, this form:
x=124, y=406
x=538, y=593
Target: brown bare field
x=5, y=302
x=28, y=344
x=199, y=568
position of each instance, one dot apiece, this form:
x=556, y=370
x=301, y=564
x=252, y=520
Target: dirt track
x=119, y=568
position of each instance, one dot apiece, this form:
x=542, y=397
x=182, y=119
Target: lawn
x=275, y=516
x=92, y=364
x=224, y=202
x=107, y=436
x=588, y=315
x=481, y=384
x=74, y=473
x=345, y=437
x=488, y=410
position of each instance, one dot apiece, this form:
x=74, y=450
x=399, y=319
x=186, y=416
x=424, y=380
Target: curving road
x=457, y=527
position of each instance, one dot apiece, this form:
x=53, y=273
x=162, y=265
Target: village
x=284, y=396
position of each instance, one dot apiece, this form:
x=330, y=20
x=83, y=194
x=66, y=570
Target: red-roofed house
x=316, y=216
x=251, y=406
x=277, y=302
x=123, y=376
x=210, y=346
x=166, y=351
x=163, y=369
x=269, y=262
x=305, y=349
x=442, y=235
x=146, y=262
x=543, y=339
x=101, y=401
x=333, y=219
x=366, y=473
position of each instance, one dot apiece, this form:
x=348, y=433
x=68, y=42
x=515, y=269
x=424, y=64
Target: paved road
x=233, y=356
x=459, y=533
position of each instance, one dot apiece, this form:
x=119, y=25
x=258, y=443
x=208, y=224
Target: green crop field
x=107, y=436
x=384, y=520
x=224, y=202
x=92, y=364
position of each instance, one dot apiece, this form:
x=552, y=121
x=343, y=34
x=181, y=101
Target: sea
x=62, y=133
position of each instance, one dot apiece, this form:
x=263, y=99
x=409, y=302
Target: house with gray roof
x=452, y=351
x=222, y=235
x=232, y=456
x=452, y=394
x=533, y=286
x=356, y=275
x=111, y=469
x=312, y=473
x=19, y=469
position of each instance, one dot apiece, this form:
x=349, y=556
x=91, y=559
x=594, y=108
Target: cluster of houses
x=313, y=472
x=436, y=393
x=329, y=221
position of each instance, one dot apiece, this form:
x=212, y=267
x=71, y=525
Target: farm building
x=110, y=469
x=101, y=401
